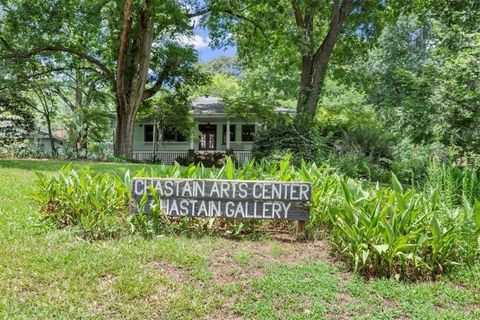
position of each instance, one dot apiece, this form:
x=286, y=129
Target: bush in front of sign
x=381, y=231
x=96, y=204
x=396, y=233
x=155, y=221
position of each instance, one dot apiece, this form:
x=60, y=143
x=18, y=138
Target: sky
x=200, y=40
x=201, y=43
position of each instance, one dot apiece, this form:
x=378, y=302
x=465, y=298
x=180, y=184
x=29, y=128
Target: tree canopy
x=404, y=67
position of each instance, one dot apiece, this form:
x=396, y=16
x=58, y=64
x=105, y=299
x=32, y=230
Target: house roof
x=38, y=134
x=208, y=105
x=213, y=105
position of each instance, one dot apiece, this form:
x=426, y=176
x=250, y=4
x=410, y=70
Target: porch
x=169, y=157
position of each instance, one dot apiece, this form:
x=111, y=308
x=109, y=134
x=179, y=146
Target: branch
x=5, y=43
x=169, y=66
x=28, y=77
x=229, y=11
x=64, y=98
x=298, y=14
x=338, y=17
x=33, y=75
x=59, y=48
x=199, y=13
x=41, y=97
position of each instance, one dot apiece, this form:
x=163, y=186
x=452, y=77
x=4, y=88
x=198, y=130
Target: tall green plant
x=392, y=232
x=93, y=202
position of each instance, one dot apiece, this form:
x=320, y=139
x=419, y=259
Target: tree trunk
x=86, y=142
x=154, y=144
x=314, y=66
x=123, y=146
x=131, y=75
x=321, y=60
x=50, y=136
x=314, y=70
x=305, y=82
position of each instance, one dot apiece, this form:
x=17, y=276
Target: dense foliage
x=12, y=132
x=96, y=203
x=379, y=86
x=282, y=136
x=134, y=47
x=389, y=231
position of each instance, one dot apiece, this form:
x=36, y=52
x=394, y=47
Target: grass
x=47, y=274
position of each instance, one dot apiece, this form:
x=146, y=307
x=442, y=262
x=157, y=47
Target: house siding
x=140, y=145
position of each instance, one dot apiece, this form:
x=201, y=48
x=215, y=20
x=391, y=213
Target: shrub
x=411, y=161
x=392, y=232
x=95, y=203
x=361, y=151
x=373, y=141
x=381, y=231
x=454, y=184
x=357, y=165
x=12, y=131
x=303, y=141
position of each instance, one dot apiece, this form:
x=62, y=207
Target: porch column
x=228, y=150
x=191, y=151
x=228, y=134
x=191, y=141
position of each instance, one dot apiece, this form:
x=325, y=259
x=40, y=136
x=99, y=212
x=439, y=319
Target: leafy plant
x=379, y=231
x=283, y=136
x=95, y=203
x=392, y=232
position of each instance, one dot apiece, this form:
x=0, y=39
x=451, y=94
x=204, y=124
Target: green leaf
x=435, y=228
x=365, y=254
x=397, y=186
x=230, y=168
x=381, y=248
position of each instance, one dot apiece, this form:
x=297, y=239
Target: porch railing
x=242, y=156
x=169, y=157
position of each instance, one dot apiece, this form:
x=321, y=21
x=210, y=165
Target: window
x=148, y=132
x=248, y=132
x=173, y=135
x=232, y=133
x=168, y=135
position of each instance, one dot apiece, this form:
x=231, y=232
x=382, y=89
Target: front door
x=208, y=136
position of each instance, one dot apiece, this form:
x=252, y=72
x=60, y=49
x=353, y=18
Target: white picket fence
x=169, y=157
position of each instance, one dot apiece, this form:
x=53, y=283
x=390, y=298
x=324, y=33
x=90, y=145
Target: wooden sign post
x=236, y=199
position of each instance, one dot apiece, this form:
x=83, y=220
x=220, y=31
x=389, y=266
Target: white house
x=214, y=131
x=40, y=142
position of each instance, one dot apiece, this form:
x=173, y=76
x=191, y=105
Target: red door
x=208, y=136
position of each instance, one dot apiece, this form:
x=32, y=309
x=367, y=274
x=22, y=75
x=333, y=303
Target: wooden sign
x=234, y=199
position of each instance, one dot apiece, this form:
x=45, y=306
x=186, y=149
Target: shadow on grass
x=55, y=165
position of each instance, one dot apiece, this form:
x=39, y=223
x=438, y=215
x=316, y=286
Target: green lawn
x=46, y=274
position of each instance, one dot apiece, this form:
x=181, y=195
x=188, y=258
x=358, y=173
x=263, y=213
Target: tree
x=220, y=85
x=88, y=115
x=12, y=130
x=15, y=102
x=397, y=76
x=13, y=95
x=47, y=106
x=223, y=65
x=302, y=33
x=133, y=45
x=167, y=112
x=422, y=77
